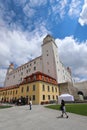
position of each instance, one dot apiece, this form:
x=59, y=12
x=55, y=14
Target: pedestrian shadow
x=60, y=117
x=28, y=109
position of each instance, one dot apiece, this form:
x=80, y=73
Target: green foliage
x=4, y=106
x=80, y=109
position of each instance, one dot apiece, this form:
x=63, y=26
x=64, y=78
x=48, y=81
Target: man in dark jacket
x=63, y=109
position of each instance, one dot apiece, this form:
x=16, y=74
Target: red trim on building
x=39, y=76
x=9, y=87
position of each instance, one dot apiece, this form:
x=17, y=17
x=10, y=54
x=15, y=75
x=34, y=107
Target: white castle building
x=48, y=63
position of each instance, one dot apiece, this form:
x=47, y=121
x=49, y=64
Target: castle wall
x=17, y=75
x=68, y=88
x=47, y=63
x=82, y=87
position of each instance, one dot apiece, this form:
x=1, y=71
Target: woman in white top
x=30, y=104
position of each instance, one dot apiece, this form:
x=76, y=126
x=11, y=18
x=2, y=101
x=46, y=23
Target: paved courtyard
x=39, y=118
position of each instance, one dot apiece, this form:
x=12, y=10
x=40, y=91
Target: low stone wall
x=68, y=87
x=81, y=87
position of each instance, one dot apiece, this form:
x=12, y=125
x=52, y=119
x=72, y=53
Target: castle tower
x=51, y=64
x=11, y=68
x=50, y=57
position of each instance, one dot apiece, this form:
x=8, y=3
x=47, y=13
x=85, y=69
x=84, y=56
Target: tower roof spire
x=48, y=38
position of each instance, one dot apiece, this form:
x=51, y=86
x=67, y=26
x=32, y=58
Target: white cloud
x=20, y=2
x=28, y=10
x=59, y=8
x=14, y=44
x=83, y=14
x=19, y=47
x=34, y=3
x=63, y=4
x=2, y=76
x=74, y=8
x=74, y=54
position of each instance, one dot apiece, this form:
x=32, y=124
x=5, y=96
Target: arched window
x=80, y=93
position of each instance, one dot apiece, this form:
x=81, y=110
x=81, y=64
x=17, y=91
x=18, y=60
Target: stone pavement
x=39, y=118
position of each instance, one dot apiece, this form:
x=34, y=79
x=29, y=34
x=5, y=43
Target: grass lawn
x=80, y=109
x=4, y=106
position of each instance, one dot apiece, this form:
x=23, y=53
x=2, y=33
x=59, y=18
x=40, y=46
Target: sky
x=24, y=24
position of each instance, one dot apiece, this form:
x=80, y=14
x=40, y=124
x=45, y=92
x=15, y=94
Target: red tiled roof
x=9, y=87
x=39, y=77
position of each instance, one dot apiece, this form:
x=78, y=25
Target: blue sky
x=24, y=24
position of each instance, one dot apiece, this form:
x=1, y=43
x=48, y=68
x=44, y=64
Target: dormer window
x=34, y=77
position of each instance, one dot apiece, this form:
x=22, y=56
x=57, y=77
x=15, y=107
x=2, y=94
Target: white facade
x=47, y=63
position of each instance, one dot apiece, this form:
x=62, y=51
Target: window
x=26, y=71
x=50, y=80
x=20, y=79
x=29, y=79
x=34, y=62
x=52, y=89
x=22, y=89
x=33, y=87
x=34, y=67
x=34, y=77
x=42, y=77
x=56, y=97
x=13, y=92
x=43, y=87
x=48, y=88
x=47, y=79
x=56, y=89
x=6, y=92
x=16, y=91
x=48, y=97
x=43, y=97
x=21, y=73
x=27, y=88
x=53, y=97
x=33, y=97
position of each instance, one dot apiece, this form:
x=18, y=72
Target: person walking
x=63, y=109
x=30, y=104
